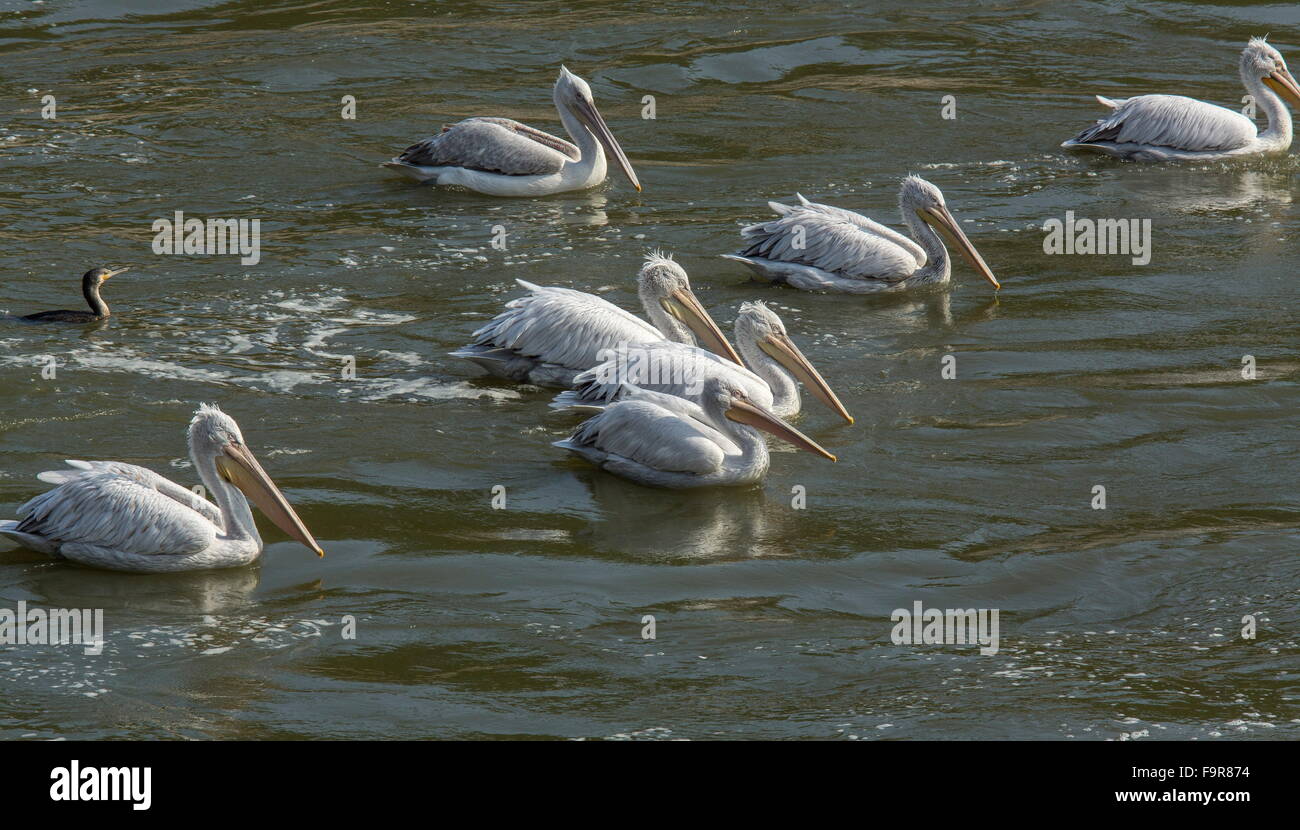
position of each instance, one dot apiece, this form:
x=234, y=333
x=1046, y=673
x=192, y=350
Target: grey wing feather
x=867, y=224
x=856, y=248
x=1171, y=121
x=664, y=366
x=495, y=145
x=563, y=326
x=119, y=507
x=145, y=476
x=642, y=431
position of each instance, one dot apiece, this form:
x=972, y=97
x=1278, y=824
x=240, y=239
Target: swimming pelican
x=549, y=336
x=677, y=369
x=1175, y=128
x=126, y=518
x=822, y=248
x=90, y=283
x=501, y=157
x=665, y=441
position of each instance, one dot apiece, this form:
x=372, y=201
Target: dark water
x=974, y=492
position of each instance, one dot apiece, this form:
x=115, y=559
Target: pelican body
x=1176, y=128
x=126, y=518
x=816, y=247
x=661, y=440
x=90, y=284
x=775, y=368
x=552, y=334
x=502, y=157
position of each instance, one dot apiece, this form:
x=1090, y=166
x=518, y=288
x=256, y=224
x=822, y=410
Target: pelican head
x=574, y=95
x=215, y=438
x=1261, y=62
x=758, y=324
x=730, y=400
x=663, y=284
x=919, y=197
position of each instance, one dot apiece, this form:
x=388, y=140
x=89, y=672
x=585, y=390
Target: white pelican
x=501, y=157
x=126, y=518
x=90, y=283
x=665, y=441
x=676, y=369
x=549, y=336
x=822, y=248
x=1174, y=128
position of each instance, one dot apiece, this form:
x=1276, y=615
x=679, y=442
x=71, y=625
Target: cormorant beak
x=941, y=220
x=783, y=350
x=114, y=273
x=237, y=465
x=683, y=305
x=590, y=116
x=1284, y=84
x=750, y=414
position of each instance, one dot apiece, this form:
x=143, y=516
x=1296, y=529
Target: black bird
x=90, y=283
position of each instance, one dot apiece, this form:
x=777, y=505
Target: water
x=771, y=622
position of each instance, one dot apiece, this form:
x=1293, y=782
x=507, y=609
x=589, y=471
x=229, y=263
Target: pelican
x=822, y=248
x=680, y=370
x=662, y=440
x=549, y=336
x=90, y=283
x=125, y=518
x=1175, y=128
x=501, y=157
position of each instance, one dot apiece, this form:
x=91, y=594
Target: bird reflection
x=679, y=525
x=1218, y=192
x=165, y=595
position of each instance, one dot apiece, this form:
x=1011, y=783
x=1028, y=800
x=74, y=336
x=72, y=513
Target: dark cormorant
x=90, y=283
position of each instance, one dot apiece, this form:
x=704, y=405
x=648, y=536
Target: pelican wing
x=823, y=237
x=1170, y=121
x=867, y=224
x=563, y=326
x=166, y=486
x=120, y=507
x=656, y=435
x=662, y=366
x=495, y=145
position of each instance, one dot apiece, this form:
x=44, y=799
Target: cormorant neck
x=90, y=290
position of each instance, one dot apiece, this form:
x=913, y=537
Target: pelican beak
x=590, y=116
x=783, y=350
x=1283, y=83
x=943, y=221
x=746, y=412
x=683, y=305
x=115, y=273
x=238, y=466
